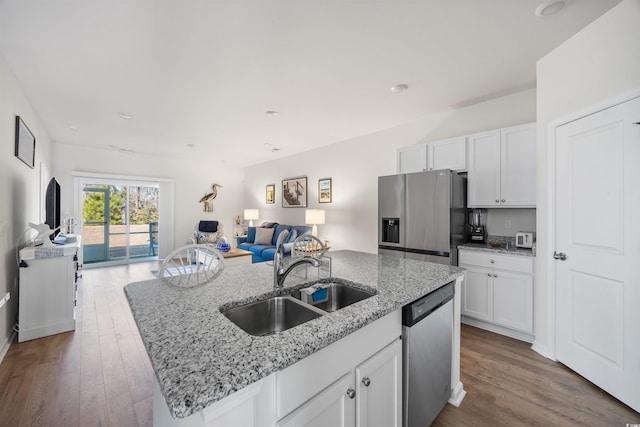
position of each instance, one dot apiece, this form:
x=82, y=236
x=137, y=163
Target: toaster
x=524, y=239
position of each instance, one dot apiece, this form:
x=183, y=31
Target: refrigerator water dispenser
x=391, y=230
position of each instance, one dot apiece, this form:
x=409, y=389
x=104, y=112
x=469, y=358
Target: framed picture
x=324, y=190
x=271, y=194
x=25, y=143
x=294, y=192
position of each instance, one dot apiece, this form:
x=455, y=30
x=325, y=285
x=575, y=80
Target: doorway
x=120, y=222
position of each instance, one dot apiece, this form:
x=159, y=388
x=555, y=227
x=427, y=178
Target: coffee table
x=236, y=256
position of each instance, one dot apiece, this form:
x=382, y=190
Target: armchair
x=210, y=232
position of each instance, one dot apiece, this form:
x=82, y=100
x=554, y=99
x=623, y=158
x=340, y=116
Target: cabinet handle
x=492, y=261
x=497, y=200
x=351, y=393
x=366, y=381
x=495, y=275
x=503, y=200
x=488, y=274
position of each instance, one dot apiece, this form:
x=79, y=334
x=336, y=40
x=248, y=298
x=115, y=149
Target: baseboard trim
x=522, y=336
x=457, y=394
x=6, y=345
x=542, y=350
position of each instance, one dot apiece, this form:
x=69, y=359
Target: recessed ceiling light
x=271, y=113
x=126, y=151
x=126, y=116
x=275, y=150
x=399, y=88
x=551, y=7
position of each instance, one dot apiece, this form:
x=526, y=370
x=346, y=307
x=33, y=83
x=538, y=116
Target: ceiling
x=198, y=76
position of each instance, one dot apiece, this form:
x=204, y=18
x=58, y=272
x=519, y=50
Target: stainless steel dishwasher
x=427, y=334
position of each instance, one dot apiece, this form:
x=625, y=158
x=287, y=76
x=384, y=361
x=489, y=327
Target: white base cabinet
x=368, y=396
x=497, y=293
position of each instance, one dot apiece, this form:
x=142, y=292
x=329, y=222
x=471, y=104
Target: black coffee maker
x=478, y=227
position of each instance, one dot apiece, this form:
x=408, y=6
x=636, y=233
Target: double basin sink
x=279, y=313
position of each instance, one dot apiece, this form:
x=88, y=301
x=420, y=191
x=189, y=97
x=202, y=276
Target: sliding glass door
x=120, y=222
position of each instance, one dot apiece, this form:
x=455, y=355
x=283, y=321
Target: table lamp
x=251, y=214
x=314, y=217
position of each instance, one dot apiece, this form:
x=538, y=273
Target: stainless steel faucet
x=280, y=273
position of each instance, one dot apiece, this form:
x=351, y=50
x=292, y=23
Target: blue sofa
x=266, y=252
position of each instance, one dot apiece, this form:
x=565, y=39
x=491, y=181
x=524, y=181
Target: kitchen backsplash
x=507, y=222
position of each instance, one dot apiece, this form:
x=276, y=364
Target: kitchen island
x=202, y=360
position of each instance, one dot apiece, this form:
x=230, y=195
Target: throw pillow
x=282, y=237
x=264, y=236
x=293, y=234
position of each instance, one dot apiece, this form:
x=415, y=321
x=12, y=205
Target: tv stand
x=47, y=297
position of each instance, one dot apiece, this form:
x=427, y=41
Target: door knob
x=351, y=393
x=561, y=256
x=366, y=381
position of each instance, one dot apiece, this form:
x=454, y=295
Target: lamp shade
x=314, y=216
x=251, y=214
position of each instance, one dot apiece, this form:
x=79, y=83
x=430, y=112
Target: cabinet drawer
x=520, y=264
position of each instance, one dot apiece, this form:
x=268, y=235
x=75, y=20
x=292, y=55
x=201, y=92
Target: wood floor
x=100, y=375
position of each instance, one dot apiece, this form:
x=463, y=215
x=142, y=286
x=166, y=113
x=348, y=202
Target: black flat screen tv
x=52, y=205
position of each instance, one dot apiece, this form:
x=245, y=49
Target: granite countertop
x=488, y=247
x=200, y=357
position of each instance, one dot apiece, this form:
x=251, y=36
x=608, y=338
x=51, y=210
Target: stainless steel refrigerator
x=422, y=215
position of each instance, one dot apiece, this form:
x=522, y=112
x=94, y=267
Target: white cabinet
x=412, y=158
x=448, y=154
x=378, y=386
x=497, y=293
x=47, y=291
x=502, y=167
x=368, y=396
x=331, y=407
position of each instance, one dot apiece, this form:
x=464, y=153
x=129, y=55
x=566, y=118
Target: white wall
x=600, y=62
x=354, y=166
x=193, y=179
x=19, y=190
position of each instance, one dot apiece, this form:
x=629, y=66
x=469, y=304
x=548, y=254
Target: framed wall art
x=25, y=143
x=294, y=192
x=271, y=194
x=324, y=190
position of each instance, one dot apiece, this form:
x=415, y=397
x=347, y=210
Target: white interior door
x=597, y=230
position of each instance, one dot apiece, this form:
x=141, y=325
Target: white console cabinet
x=47, y=296
x=497, y=293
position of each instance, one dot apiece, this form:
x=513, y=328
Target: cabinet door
x=513, y=301
x=477, y=294
x=412, y=159
x=331, y=407
x=483, y=185
x=379, y=389
x=448, y=154
x=518, y=172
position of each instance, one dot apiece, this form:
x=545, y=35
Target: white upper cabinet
x=412, y=158
x=448, y=154
x=502, y=168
